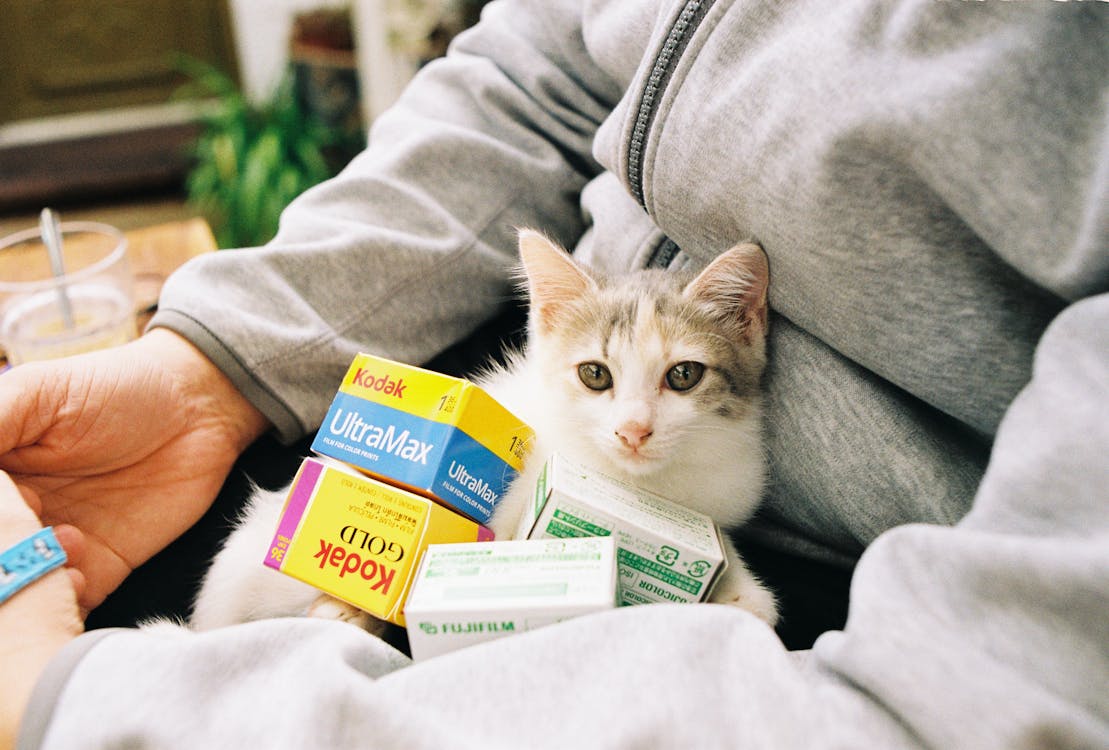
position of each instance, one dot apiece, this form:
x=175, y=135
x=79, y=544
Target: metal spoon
x=51, y=228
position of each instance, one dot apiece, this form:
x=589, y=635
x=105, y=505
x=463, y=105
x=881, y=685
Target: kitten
x=651, y=378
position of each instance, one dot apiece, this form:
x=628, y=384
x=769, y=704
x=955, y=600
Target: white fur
x=239, y=587
x=706, y=462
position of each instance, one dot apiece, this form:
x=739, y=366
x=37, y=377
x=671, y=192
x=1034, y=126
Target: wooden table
x=155, y=252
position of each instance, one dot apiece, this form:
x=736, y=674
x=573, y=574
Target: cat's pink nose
x=633, y=434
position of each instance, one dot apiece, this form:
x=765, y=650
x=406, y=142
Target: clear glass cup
x=92, y=306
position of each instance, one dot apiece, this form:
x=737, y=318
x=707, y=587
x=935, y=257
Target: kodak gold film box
x=359, y=539
x=665, y=552
x=440, y=436
x=466, y=594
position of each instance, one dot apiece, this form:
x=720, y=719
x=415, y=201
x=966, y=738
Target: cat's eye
x=684, y=375
x=595, y=376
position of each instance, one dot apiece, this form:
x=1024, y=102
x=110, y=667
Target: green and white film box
x=665, y=552
x=469, y=593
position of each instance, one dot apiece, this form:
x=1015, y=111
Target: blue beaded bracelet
x=29, y=561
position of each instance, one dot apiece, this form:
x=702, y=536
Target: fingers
x=20, y=507
x=73, y=542
x=77, y=580
x=75, y=545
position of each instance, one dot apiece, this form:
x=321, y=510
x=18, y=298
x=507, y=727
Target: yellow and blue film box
x=430, y=433
x=359, y=539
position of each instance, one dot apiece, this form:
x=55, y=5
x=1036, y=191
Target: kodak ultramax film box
x=664, y=552
x=359, y=539
x=466, y=594
x=440, y=436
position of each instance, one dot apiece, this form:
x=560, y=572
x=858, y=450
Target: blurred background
x=138, y=112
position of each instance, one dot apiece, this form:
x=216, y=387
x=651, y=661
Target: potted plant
x=251, y=160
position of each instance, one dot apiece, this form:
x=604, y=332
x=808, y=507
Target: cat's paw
x=749, y=595
x=330, y=608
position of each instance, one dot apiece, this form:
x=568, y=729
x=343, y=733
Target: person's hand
x=129, y=445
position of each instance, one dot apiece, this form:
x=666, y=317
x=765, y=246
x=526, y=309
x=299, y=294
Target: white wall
x=261, y=29
x=383, y=70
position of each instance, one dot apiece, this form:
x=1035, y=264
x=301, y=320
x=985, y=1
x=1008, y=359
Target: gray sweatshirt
x=929, y=180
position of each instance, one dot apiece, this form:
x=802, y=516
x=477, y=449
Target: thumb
x=34, y=398
x=52, y=411
x=24, y=401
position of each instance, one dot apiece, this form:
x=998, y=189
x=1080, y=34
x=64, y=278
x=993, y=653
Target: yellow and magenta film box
x=430, y=433
x=359, y=539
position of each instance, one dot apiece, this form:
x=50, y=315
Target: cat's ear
x=553, y=278
x=734, y=285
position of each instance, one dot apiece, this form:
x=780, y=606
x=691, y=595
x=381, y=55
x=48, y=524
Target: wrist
x=206, y=386
x=15, y=527
x=35, y=624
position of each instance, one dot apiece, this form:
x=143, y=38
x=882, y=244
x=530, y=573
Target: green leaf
x=251, y=160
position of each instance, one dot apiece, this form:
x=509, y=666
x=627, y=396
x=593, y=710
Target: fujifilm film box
x=440, y=436
x=665, y=552
x=359, y=539
x=466, y=594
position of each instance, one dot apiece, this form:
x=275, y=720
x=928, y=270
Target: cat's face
x=648, y=367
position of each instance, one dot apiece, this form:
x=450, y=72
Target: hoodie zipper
x=667, y=58
x=664, y=254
